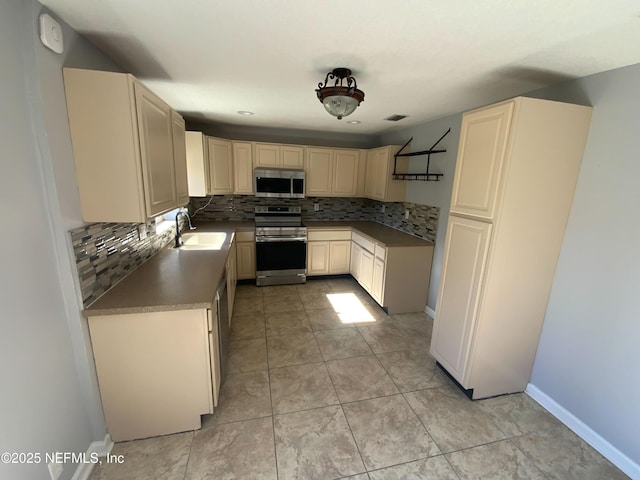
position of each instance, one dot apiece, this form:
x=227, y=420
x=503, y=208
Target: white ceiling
x=421, y=58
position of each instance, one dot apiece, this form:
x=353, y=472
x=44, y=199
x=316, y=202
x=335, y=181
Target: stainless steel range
x=281, y=246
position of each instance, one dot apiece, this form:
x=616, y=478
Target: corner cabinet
x=516, y=172
x=380, y=184
x=125, y=140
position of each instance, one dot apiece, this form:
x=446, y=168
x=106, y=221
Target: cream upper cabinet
x=180, y=157
x=220, y=166
x=516, y=171
x=319, y=172
x=272, y=155
x=122, y=137
x=156, y=149
x=243, y=168
x=332, y=172
x=483, y=147
x=292, y=156
x=197, y=164
x=345, y=173
x=380, y=184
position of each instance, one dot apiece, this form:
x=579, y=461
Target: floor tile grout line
x=186, y=465
x=421, y=422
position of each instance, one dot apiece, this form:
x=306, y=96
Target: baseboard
x=430, y=311
x=585, y=432
x=101, y=448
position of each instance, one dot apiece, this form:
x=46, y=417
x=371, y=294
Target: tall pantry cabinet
x=517, y=167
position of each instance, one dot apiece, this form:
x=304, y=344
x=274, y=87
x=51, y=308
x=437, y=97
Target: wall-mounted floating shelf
x=426, y=176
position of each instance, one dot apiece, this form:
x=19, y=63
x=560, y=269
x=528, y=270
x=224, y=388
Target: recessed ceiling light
x=354, y=122
x=245, y=113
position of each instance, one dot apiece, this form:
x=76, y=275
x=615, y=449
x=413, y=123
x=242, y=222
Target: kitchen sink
x=203, y=240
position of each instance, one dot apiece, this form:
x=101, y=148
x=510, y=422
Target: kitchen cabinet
x=328, y=252
x=332, y=172
x=397, y=277
x=143, y=357
x=197, y=164
x=517, y=167
x=243, y=168
x=246, y=255
x=271, y=155
x=180, y=158
x=232, y=276
x=220, y=166
x=123, y=141
x=380, y=184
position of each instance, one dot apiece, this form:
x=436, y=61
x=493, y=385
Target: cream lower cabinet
x=123, y=141
x=232, y=277
x=397, y=277
x=246, y=255
x=328, y=252
x=517, y=167
x=154, y=371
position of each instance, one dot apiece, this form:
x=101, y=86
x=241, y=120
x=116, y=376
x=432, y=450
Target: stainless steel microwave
x=275, y=183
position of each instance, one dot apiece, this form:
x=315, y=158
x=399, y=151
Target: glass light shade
x=340, y=105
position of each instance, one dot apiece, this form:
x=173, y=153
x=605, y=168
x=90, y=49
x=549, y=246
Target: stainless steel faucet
x=178, y=243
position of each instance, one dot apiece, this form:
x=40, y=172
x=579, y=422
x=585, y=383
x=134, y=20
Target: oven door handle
x=280, y=239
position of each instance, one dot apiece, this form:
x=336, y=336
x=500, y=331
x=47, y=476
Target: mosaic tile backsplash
x=423, y=219
x=105, y=253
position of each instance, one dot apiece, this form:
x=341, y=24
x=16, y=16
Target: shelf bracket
x=426, y=176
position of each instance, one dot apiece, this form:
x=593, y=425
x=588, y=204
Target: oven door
x=280, y=261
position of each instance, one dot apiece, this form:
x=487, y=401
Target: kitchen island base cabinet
x=154, y=371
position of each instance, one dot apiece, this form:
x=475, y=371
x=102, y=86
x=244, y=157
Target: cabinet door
x=232, y=279
x=220, y=166
x=465, y=255
x=180, y=158
x=339, y=256
x=242, y=168
x=317, y=258
x=246, y=260
x=319, y=170
x=267, y=155
x=214, y=356
x=156, y=148
x=481, y=156
x=376, y=175
x=366, y=270
x=292, y=156
x=197, y=164
x=345, y=173
x=377, y=284
x=354, y=267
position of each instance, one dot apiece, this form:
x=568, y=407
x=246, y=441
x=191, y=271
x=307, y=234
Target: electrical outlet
x=55, y=470
x=142, y=231
x=383, y=208
x=316, y=207
x=406, y=214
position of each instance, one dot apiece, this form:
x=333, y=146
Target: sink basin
x=203, y=240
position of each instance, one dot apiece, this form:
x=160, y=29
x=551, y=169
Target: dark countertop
x=177, y=279
x=378, y=233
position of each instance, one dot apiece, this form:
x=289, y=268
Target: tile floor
x=324, y=385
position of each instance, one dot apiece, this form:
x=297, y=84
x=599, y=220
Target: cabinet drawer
x=244, y=236
x=363, y=242
x=328, y=235
x=381, y=252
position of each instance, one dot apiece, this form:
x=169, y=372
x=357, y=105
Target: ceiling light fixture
x=343, y=97
x=245, y=113
x=354, y=122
